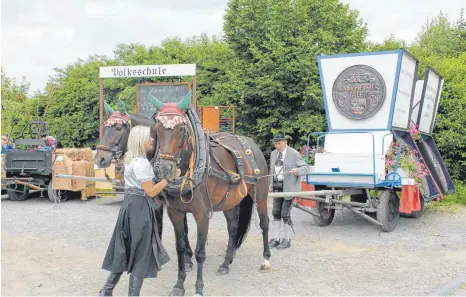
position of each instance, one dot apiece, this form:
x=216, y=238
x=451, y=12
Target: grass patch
x=453, y=201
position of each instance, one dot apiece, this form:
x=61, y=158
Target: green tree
x=274, y=82
x=73, y=117
x=16, y=106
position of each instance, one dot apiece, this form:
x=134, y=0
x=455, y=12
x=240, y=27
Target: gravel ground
x=60, y=252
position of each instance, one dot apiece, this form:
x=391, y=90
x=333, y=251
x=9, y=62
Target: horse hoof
x=177, y=292
x=223, y=271
x=264, y=268
x=188, y=267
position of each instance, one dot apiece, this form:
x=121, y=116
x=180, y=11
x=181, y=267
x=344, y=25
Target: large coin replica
x=359, y=92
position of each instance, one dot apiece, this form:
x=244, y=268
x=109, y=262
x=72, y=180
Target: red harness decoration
x=116, y=118
x=171, y=116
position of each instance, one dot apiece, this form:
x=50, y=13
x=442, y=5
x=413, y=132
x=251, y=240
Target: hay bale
x=81, y=154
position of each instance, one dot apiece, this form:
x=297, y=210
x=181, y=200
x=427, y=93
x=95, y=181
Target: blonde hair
x=138, y=136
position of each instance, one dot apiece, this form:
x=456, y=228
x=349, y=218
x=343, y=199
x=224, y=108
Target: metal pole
x=363, y=215
x=336, y=201
x=305, y=193
x=81, y=177
x=305, y=210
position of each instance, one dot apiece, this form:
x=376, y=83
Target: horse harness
x=117, y=150
x=227, y=175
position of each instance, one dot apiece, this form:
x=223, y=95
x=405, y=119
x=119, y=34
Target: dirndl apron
x=135, y=245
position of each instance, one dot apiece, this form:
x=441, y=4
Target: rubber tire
x=63, y=194
x=418, y=214
x=323, y=220
x=16, y=196
x=388, y=198
x=361, y=198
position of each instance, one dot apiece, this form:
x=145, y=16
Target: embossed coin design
x=359, y=92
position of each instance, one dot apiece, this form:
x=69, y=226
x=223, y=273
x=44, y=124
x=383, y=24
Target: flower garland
x=312, y=152
x=409, y=161
x=414, y=132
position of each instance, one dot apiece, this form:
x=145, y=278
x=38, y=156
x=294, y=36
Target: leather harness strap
x=227, y=175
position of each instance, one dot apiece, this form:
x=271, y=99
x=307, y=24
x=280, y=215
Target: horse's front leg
x=232, y=216
x=202, y=231
x=177, y=217
x=189, y=252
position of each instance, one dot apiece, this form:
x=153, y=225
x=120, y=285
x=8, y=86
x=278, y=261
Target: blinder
x=117, y=150
x=176, y=157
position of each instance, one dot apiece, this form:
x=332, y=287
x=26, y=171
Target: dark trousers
x=281, y=206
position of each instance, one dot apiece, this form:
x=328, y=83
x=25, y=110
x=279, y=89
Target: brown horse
x=230, y=184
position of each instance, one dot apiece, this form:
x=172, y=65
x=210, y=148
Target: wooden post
x=101, y=108
x=194, y=94
x=234, y=119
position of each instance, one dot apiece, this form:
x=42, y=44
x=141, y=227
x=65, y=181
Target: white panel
x=351, y=164
x=385, y=64
x=404, y=94
x=428, y=105
x=358, y=142
x=148, y=70
x=335, y=180
x=438, y=102
x=417, y=100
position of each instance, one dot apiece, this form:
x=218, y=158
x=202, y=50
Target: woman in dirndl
x=135, y=245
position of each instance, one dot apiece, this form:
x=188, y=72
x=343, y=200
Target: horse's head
x=172, y=132
x=115, y=138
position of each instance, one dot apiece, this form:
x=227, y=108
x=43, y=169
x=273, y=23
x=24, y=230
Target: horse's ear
x=108, y=108
x=156, y=102
x=121, y=106
x=183, y=104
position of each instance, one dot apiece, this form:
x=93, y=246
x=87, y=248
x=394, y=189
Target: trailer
x=369, y=110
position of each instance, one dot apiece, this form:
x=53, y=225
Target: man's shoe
x=286, y=243
x=273, y=243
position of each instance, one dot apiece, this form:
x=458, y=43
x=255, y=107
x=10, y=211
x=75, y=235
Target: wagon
x=29, y=165
x=369, y=101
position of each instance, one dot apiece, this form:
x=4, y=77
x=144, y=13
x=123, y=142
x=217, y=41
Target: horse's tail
x=245, y=214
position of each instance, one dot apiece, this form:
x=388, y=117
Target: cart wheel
x=63, y=194
x=326, y=215
x=418, y=214
x=17, y=196
x=388, y=210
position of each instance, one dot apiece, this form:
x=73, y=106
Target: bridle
x=118, y=149
x=179, y=119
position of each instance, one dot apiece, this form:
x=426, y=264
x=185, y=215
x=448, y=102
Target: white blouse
x=138, y=171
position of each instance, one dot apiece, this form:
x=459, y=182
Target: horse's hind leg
x=232, y=216
x=189, y=251
x=264, y=225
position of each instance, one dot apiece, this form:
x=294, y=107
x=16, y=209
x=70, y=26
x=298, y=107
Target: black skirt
x=135, y=246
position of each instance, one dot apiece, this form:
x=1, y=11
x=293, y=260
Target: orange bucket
x=307, y=187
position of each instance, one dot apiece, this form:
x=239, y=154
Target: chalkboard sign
x=165, y=92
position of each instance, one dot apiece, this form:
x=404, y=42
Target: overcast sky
x=39, y=35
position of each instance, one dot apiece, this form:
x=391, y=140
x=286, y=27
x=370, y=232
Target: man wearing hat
x=286, y=167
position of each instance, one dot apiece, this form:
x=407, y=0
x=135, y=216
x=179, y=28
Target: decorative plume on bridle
x=116, y=117
x=171, y=114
